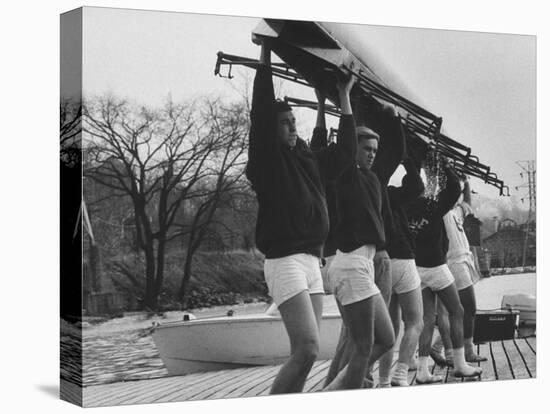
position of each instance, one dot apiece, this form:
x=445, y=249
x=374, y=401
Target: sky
x=482, y=84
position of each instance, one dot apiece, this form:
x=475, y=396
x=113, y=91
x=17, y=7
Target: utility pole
x=529, y=168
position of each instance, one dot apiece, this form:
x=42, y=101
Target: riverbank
x=217, y=278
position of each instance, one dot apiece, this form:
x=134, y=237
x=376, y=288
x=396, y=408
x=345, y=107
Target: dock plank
x=317, y=367
x=508, y=359
x=503, y=371
x=532, y=342
x=110, y=394
x=218, y=378
x=519, y=369
x=159, y=393
x=236, y=389
x=70, y=392
x=529, y=356
x=314, y=378
x=264, y=383
x=487, y=366
x=226, y=386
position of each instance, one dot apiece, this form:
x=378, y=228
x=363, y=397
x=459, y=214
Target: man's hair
x=281, y=106
x=366, y=133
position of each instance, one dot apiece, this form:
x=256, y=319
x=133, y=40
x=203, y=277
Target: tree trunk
x=160, y=264
x=183, y=293
x=151, y=296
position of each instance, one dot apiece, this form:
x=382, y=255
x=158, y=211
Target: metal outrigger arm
x=417, y=122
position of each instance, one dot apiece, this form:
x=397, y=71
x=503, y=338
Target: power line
x=529, y=169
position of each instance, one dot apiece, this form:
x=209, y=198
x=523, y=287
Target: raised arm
x=262, y=137
x=411, y=187
x=447, y=198
x=335, y=159
x=392, y=145
x=319, y=139
x=467, y=192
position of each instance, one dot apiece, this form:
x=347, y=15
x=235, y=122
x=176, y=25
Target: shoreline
x=217, y=304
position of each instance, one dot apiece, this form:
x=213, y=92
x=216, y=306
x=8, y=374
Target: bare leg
x=386, y=360
x=343, y=350
x=384, y=337
x=445, y=333
x=300, y=321
x=412, y=311
x=425, y=339
x=423, y=376
x=317, y=303
x=382, y=275
x=451, y=300
x=468, y=300
x=359, y=317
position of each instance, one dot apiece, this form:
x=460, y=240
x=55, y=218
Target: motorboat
x=525, y=304
x=225, y=342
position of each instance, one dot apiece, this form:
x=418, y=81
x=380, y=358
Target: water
x=489, y=291
x=122, y=349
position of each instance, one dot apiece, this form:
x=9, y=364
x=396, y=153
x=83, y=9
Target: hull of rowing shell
x=317, y=49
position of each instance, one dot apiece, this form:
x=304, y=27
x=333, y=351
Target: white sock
x=458, y=358
x=469, y=346
x=423, y=367
x=401, y=373
x=384, y=381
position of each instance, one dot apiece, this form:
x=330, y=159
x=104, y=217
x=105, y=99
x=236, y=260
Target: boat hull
x=233, y=342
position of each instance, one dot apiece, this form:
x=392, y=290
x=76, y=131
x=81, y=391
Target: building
x=508, y=243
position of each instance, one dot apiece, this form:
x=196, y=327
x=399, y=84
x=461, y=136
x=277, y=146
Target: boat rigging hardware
x=418, y=123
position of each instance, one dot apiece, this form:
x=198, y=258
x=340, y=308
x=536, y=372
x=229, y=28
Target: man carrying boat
x=406, y=299
x=392, y=147
x=292, y=222
x=461, y=263
x=359, y=230
x=425, y=216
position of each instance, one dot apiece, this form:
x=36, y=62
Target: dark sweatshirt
x=388, y=158
x=425, y=217
x=318, y=142
x=390, y=153
x=292, y=212
x=401, y=243
x=359, y=210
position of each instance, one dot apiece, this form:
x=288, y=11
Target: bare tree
x=70, y=128
x=166, y=161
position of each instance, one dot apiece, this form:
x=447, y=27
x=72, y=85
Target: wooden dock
x=511, y=359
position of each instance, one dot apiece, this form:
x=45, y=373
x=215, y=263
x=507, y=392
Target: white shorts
x=324, y=274
x=435, y=278
x=290, y=275
x=351, y=275
x=464, y=271
x=404, y=276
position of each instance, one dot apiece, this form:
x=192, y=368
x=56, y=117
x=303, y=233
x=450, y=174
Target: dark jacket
x=401, y=242
x=390, y=153
x=425, y=217
x=292, y=212
x=359, y=210
x=318, y=142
